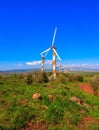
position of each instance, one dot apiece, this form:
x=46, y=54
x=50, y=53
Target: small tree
x=28, y=79
x=79, y=78
x=40, y=77
x=95, y=84
x=75, y=77
x=61, y=78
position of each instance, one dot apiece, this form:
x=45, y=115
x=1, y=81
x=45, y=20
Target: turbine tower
x=54, y=54
x=43, y=55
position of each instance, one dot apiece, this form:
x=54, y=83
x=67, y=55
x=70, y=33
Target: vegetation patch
x=60, y=104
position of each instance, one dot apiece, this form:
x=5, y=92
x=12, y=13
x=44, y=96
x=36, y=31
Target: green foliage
x=36, y=77
x=61, y=78
x=54, y=114
x=95, y=84
x=40, y=77
x=75, y=77
x=92, y=126
x=1, y=82
x=17, y=107
x=79, y=78
x=28, y=79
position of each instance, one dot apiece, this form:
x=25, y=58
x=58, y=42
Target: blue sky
x=27, y=27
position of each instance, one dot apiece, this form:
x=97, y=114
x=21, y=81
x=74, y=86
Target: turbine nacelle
x=44, y=53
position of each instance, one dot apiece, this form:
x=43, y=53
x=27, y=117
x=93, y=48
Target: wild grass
x=17, y=107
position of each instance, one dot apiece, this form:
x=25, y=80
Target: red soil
x=36, y=126
x=24, y=101
x=86, y=88
x=86, y=121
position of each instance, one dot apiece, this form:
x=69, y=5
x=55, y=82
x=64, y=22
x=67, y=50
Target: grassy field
x=56, y=109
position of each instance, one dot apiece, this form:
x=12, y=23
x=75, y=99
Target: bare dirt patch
x=86, y=88
x=87, y=121
x=24, y=101
x=36, y=126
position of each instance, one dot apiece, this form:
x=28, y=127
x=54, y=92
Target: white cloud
x=33, y=63
x=38, y=62
x=48, y=62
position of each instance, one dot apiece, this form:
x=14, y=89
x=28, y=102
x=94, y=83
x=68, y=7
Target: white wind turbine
x=54, y=53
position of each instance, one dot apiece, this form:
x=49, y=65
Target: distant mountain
x=50, y=69
x=18, y=71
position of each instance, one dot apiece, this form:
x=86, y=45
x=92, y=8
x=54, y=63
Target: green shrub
x=61, y=78
x=79, y=78
x=75, y=77
x=36, y=77
x=1, y=82
x=28, y=79
x=40, y=77
x=70, y=77
x=95, y=84
x=20, y=76
x=44, y=77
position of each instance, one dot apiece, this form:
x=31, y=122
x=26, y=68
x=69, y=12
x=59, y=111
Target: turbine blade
x=41, y=54
x=45, y=51
x=57, y=54
x=54, y=36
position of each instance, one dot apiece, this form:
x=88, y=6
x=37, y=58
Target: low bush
x=36, y=77
x=61, y=78
x=28, y=79
x=79, y=78
x=94, y=82
x=40, y=77
x=75, y=77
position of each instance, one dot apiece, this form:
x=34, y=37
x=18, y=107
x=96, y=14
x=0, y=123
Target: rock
x=80, y=102
x=75, y=99
x=36, y=96
x=50, y=97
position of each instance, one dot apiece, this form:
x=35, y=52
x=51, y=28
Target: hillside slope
x=62, y=105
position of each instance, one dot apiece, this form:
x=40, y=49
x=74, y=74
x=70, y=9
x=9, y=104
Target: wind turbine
x=54, y=54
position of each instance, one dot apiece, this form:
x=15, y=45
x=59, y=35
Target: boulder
x=75, y=99
x=36, y=96
x=51, y=97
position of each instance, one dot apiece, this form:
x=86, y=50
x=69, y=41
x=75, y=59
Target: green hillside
x=61, y=104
